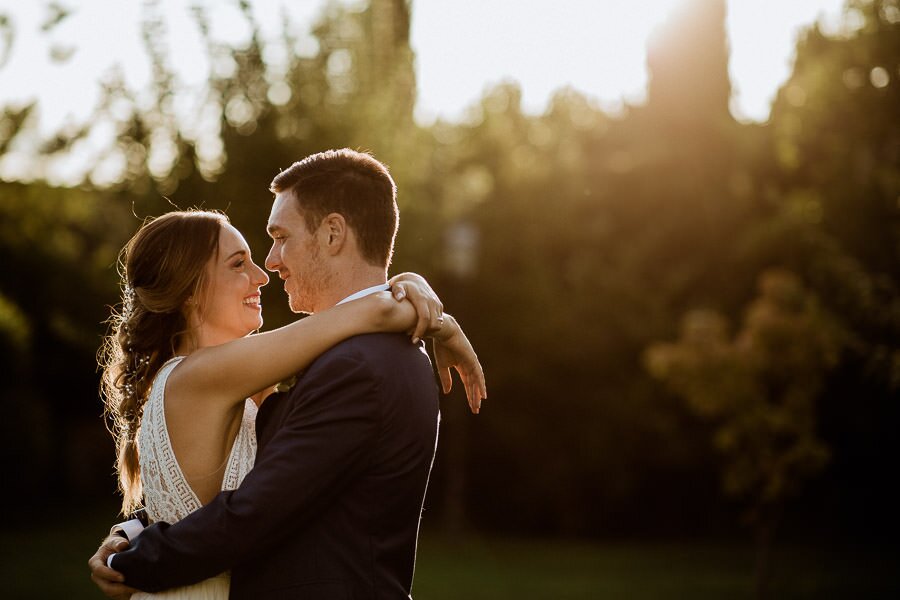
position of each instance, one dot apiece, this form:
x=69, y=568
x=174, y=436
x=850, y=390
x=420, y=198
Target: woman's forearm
x=235, y=370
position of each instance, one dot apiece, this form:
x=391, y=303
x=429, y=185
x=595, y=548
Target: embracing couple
x=285, y=464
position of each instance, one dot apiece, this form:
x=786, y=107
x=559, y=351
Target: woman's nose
x=262, y=278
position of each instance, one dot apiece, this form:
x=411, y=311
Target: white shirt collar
x=363, y=293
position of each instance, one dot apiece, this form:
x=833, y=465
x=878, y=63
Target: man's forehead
x=283, y=210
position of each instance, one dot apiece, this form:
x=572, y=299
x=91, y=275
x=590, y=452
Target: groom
x=332, y=507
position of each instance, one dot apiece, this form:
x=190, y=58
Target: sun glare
x=597, y=47
x=462, y=48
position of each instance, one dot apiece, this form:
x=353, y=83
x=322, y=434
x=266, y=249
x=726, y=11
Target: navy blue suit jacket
x=332, y=507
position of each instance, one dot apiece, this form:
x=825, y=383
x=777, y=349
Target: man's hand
x=429, y=308
x=453, y=350
x=110, y=582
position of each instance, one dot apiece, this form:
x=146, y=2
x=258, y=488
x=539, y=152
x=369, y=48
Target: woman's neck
x=202, y=337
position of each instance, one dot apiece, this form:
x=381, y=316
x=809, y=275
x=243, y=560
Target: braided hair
x=162, y=267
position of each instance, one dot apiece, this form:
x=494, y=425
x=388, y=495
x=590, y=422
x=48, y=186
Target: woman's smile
x=253, y=301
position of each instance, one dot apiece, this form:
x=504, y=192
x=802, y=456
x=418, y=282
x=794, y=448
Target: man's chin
x=298, y=307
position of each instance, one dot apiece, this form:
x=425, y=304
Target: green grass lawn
x=496, y=568
x=46, y=564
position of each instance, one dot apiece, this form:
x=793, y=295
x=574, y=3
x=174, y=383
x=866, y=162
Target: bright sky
x=462, y=47
x=596, y=46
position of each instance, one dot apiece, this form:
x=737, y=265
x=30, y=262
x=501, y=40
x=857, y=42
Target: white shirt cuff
x=132, y=528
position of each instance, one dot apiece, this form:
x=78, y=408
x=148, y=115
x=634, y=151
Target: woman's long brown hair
x=162, y=267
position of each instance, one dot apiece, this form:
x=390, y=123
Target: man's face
x=297, y=256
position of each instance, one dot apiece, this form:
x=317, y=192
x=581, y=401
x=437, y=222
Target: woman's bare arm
x=452, y=350
x=231, y=372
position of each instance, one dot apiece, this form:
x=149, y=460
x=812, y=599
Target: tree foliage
x=760, y=388
x=567, y=243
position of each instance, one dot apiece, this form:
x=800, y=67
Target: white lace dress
x=167, y=495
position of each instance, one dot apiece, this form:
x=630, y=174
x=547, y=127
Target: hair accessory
x=127, y=300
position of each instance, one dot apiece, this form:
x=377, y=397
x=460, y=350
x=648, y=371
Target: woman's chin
x=254, y=328
x=256, y=320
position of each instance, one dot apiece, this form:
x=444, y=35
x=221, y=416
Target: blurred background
x=682, y=282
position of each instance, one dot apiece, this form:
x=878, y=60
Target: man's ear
x=334, y=232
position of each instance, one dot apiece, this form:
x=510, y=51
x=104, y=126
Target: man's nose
x=272, y=261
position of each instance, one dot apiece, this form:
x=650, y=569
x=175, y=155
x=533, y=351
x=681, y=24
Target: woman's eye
x=239, y=264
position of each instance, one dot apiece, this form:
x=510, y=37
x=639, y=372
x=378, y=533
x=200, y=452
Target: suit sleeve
x=321, y=448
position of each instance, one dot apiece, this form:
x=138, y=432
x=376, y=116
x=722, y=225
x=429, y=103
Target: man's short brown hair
x=352, y=184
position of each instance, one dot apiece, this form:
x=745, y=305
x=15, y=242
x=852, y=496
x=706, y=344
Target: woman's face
x=230, y=305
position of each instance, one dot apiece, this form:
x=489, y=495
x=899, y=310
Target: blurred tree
x=688, y=64
x=59, y=246
x=592, y=233
x=7, y=36
x=12, y=122
x=839, y=173
x=761, y=390
x=830, y=211
x=595, y=234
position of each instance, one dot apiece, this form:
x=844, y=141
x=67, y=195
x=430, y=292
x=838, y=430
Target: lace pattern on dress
x=167, y=495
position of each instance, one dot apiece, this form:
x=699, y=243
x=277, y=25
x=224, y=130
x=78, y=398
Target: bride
x=183, y=377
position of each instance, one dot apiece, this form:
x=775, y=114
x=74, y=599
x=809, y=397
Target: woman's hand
x=453, y=350
x=429, y=308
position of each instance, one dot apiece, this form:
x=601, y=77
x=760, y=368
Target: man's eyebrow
x=271, y=228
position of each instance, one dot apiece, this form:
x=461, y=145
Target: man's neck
x=372, y=289
x=351, y=281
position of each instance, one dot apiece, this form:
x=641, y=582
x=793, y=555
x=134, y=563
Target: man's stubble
x=315, y=283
